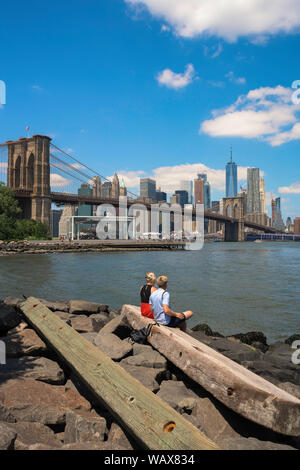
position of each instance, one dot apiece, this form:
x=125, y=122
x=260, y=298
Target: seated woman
x=145, y=293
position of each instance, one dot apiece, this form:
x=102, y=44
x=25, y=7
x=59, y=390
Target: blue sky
x=159, y=88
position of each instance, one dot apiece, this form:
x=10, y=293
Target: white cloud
x=265, y=113
x=232, y=78
x=169, y=177
x=226, y=19
x=176, y=80
x=58, y=181
x=294, y=188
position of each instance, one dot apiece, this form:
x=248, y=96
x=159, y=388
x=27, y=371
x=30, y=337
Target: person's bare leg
x=188, y=314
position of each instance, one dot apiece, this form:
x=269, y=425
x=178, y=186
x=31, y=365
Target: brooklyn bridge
x=40, y=174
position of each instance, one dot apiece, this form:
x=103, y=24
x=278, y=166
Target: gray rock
x=151, y=359
x=90, y=337
x=7, y=437
x=22, y=326
x=177, y=395
x=99, y=320
x=147, y=377
x=33, y=433
x=82, y=324
x=60, y=305
x=38, y=368
x=290, y=388
x=113, y=346
x=118, y=326
x=12, y=301
x=29, y=400
x=235, y=350
x=251, y=337
x=250, y=443
x=291, y=339
x=9, y=318
x=65, y=316
x=82, y=307
x=203, y=328
x=117, y=439
x=141, y=348
x=24, y=343
x=274, y=371
x=84, y=427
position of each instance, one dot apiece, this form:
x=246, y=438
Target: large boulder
x=141, y=348
x=178, y=396
x=118, y=326
x=9, y=318
x=251, y=443
x=82, y=324
x=60, y=305
x=99, y=320
x=118, y=439
x=24, y=343
x=7, y=437
x=291, y=339
x=29, y=400
x=150, y=359
x=147, y=377
x=204, y=328
x=273, y=372
x=235, y=350
x=84, y=427
x=290, y=388
x=38, y=368
x=13, y=301
x=32, y=433
x=112, y=346
x=82, y=307
x=251, y=337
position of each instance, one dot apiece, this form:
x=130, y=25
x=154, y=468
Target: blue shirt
x=159, y=298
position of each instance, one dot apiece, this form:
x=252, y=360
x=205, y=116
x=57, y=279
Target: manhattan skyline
x=133, y=91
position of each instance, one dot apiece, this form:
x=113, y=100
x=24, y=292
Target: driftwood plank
x=238, y=388
x=147, y=418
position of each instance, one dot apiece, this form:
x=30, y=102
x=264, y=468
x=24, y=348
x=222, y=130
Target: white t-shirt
x=159, y=298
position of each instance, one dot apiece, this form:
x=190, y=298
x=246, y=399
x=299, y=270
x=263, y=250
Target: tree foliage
x=11, y=226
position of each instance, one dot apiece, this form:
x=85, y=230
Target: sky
x=159, y=88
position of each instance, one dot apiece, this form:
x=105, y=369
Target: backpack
x=140, y=336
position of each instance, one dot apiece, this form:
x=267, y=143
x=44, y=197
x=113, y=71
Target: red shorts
x=145, y=311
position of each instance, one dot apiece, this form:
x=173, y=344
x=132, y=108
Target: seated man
x=159, y=304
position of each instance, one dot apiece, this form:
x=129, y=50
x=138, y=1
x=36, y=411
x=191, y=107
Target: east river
x=233, y=287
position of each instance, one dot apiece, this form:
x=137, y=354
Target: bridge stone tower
x=234, y=207
x=28, y=174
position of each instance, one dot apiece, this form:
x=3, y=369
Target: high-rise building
x=85, y=209
x=161, y=196
x=262, y=195
x=148, y=188
x=175, y=199
x=55, y=218
x=187, y=186
x=183, y=197
x=253, y=198
x=207, y=195
x=231, y=178
x=106, y=189
x=297, y=226
x=278, y=222
x=115, y=190
x=199, y=190
x=273, y=211
x=123, y=189
x=96, y=191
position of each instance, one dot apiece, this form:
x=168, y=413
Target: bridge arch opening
x=30, y=172
x=228, y=211
x=18, y=172
x=236, y=211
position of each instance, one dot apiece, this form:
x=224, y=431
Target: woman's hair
x=162, y=281
x=150, y=278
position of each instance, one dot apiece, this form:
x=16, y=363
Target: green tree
x=11, y=226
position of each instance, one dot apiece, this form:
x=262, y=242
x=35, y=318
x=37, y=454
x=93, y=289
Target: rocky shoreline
x=45, y=406
x=93, y=246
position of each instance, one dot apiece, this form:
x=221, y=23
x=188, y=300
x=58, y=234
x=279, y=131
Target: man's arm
x=171, y=313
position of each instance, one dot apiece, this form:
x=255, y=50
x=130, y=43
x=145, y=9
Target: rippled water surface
x=234, y=287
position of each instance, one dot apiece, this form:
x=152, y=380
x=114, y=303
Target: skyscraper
x=231, y=178
x=115, y=190
x=186, y=185
x=297, y=226
x=85, y=209
x=199, y=190
x=278, y=223
x=183, y=197
x=253, y=199
x=262, y=195
x=148, y=188
x=123, y=189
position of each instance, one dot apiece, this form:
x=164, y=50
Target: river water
x=234, y=287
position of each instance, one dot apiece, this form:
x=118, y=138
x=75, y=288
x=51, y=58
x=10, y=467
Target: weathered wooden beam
x=152, y=422
x=232, y=384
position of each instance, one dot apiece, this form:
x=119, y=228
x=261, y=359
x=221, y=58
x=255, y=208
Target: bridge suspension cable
x=94, y=173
